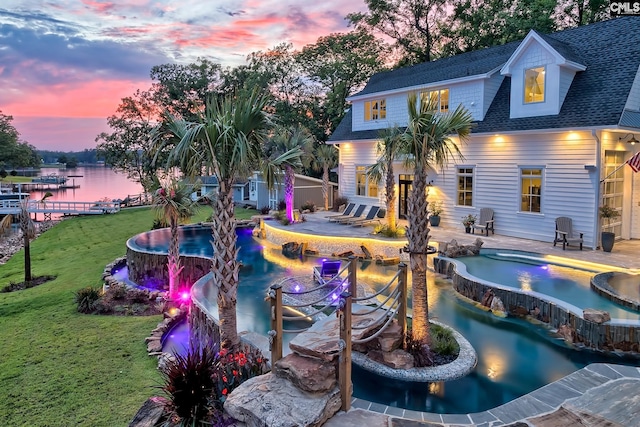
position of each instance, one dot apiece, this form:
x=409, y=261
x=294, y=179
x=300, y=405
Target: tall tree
x=411, y=24
x=574, y=13
x=428, y=142
x=289, y=150
x=325, y=157
x=174, y=204
x=341, y=63
x=227, y=139
x=476, y=24
x=129, y=148
x=14, y=152
x=183, y=89
x=389, y=146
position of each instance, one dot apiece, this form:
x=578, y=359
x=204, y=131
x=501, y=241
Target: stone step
x=321, y=339
x=268, y=400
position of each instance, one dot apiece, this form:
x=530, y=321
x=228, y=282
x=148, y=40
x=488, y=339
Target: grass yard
x=59, y=367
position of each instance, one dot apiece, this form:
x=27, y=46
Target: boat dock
x=12, y=207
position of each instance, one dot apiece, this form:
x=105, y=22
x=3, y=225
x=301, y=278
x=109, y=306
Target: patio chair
x=345, y=213
x=566, y=234
x=485, y=222
x=356, y=214
x=327, y=271
x=370, y=218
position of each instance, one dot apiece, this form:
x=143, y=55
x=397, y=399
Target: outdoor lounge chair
x=327, y=271
x=566, y=234
x=485, y=222
x=356, y=214
x=372, y=216
x=344, y=214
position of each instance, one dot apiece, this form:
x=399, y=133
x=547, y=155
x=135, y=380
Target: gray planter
x=607, y=238
x=434, y=220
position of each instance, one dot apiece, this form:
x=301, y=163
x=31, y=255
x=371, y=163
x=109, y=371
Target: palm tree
x=389, y=146
x=28, y=229
x=428, y=142
x=174, y=204
x=226, y=141
x=289, y=150
x=324, y=159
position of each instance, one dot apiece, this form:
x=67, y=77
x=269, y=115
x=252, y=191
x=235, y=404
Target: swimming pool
x=514, y=356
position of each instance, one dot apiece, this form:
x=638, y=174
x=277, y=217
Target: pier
x=12, y=207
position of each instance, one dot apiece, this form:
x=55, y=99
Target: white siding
x=568, y=188
x=535, y=56
x=635, y=206
x=354, y=154
x=566, y=78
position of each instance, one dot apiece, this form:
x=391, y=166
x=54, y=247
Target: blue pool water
x=514, y=357
x=530, y=274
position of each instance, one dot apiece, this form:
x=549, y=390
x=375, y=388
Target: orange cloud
x=98, y=98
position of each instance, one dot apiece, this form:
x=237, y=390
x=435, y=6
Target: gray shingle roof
x=597, y=96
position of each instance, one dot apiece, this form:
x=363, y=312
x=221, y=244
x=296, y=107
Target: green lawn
x=59, y=367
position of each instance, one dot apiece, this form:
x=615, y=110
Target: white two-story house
x=554, y=116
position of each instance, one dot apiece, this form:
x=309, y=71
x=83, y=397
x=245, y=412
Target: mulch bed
x=35, y=281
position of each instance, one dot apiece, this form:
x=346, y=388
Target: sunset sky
x=65, y=64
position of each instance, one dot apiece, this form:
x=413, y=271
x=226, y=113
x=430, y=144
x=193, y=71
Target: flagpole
x=615, y=170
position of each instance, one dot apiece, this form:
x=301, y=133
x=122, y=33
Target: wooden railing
x=391, y=306
x=60, y=207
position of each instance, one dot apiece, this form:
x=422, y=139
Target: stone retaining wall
x=608, y=336
x=149, y=267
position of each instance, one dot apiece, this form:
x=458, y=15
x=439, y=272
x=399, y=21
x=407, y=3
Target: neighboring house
x=304, y=189
x=209, y=184
x=554, y=115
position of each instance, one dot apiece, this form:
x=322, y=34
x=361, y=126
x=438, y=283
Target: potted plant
x=435, y=209
x=607, y=237
x=468, y=221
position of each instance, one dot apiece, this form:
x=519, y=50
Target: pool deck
x=596, y=395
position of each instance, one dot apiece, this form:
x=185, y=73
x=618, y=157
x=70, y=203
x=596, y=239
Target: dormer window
x=375, y=110
x=534, y=85
x=439, y=99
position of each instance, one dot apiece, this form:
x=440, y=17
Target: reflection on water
x=514, y=357
x=94, y=183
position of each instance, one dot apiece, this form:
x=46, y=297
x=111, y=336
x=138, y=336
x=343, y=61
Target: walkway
x=597, y=395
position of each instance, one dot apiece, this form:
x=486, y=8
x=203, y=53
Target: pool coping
x=541, y=401
x=600, y=284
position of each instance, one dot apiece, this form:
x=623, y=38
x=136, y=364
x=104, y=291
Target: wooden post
x=344, y=372
x=402, y=285
x=353, y=278
x=276, y=324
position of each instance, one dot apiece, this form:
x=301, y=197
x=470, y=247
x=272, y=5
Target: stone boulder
x=497, y=307
x=293, y=250
x=308, y=374
x=397, y=359
x=595, y=316
x=453, y=249
x=150, y=413
x=567, y=332
x=271, y=401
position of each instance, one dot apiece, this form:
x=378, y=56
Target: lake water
x=94, y=183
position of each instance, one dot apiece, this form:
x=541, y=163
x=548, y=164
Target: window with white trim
x=364, y=185
x=375, y=110
x=465, y=186
x=438, y=99
x=534, y=85
x=531, y=189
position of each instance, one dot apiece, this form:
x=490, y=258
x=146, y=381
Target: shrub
x=3, y=173
x=308, y=206
x=159, y=223
x=422, y=354
x=87, y=299
x=443, y=341
x=265, y=210
x=232, y=369
x=384, y=230
x=138, y=295
x=282, y=205
x=189, y=382
x=13, y=172
x=339, y=201
x=118, y=291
